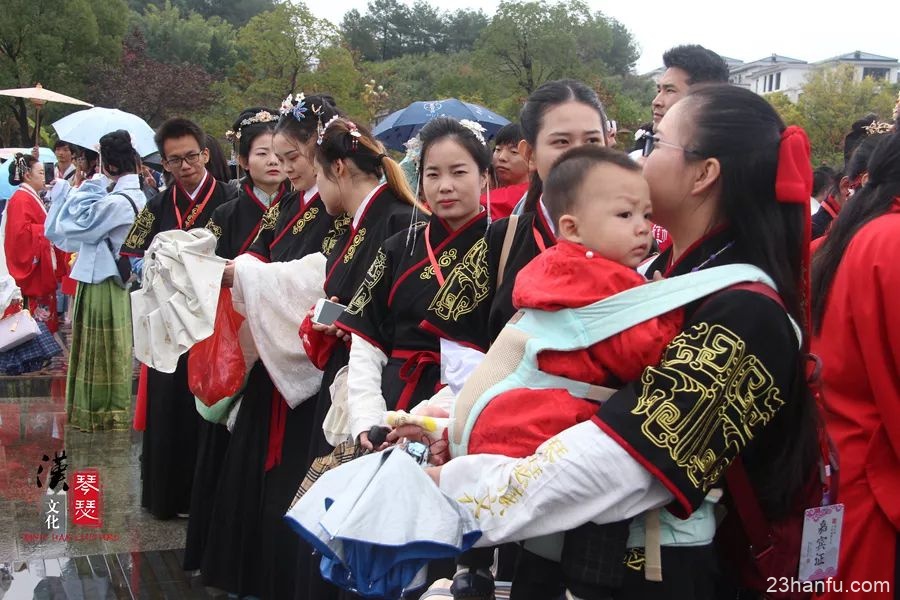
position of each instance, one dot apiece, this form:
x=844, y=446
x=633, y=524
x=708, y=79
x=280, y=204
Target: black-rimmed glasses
x=174, y=162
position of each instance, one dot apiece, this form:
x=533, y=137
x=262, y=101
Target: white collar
x=193, y=194
x=31, y=192
x=546, y=212
x=127, y=182
x=308, y=195
x=365, y=203
x=265, y=198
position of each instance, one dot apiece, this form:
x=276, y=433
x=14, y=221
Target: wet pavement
x=130, y=555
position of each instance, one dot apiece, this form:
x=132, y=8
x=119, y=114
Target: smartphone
x=326, y=312
x=49, y=173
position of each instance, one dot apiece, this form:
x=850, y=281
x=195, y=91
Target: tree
x=175, y=36
x=831, y=101
x=142, y=85
x=356, y=30
x=531, y=43
x=38, y=44
x=463, y=28
x=236, y=12
x=280, y=52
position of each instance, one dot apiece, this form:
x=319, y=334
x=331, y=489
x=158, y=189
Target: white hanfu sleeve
x=365, y=403
x=578, y=476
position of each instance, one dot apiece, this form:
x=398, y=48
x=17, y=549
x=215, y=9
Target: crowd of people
x=642, y=344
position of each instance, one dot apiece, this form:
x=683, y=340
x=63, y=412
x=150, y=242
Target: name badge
x=821, y=544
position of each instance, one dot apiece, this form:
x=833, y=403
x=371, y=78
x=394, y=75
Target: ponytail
x=344, y=140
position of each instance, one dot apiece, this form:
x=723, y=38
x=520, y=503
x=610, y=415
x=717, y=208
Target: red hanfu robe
x=859, y=345
x=33, y=262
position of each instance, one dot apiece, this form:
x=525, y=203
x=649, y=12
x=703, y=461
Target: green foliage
x=390, y=29
x=55, y=43
x=175, y=36
x=533, y=42
x=831, y=101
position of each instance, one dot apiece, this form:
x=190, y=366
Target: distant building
x=777, y=73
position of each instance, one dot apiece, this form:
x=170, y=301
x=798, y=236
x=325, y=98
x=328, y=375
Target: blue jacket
x=86, y=218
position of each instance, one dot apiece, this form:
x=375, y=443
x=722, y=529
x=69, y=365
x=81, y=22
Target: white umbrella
x=86, y=127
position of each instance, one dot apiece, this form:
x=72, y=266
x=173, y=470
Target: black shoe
x=473, y=584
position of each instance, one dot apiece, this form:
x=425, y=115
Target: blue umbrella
x=398, y=127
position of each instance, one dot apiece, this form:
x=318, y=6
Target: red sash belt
x=411, y=371
x=277, y=422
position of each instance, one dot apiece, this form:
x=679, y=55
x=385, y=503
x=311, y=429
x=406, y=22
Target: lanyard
x=187, y=223
x=431, y=258
x=539, y=239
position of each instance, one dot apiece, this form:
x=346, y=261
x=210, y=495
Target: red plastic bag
x=216, y=366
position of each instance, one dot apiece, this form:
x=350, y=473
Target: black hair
x=859, y=160
x=857, y=134
x=18, y=166
x=549, y=95
x=448, y=127
x=743, y=132
x=344, y=140
x=61, y=144
x=91, y=158
x=871, y=201
x=320, y=108
x=217, y=165
x=508, y=135
x=700, y=64
x=823, y=180
x=569, y=172
x=117, y=154
x=248, y=133
x=178, y=127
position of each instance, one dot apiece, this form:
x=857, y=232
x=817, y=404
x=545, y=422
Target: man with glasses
x=171, y=426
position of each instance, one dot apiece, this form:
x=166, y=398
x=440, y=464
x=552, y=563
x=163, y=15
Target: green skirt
x=99, y=381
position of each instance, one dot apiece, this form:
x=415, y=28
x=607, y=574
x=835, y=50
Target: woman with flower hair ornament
x=267, y=455
x=235, y=224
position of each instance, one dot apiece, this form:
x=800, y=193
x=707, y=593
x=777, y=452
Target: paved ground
x=132, y=555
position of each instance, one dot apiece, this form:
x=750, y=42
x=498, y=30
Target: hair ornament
x=21, y=167
x=295, y=106
x=262, y=116
x=324, y=128
x=414, y=150
x=475, y=128
x=878, y=127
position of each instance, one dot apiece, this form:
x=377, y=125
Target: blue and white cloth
x=378, y=520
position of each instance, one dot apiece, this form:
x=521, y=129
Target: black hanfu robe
x=440, y=278
x=723, y=388
x=236, y=225
x=169, y=449
x=251, y=550
x=289, y=231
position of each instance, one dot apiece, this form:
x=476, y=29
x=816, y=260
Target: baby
x=601, y=206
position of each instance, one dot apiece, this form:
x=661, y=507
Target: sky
x=746, y=31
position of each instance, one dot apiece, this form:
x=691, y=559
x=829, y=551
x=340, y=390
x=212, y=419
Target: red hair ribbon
x=794, y=179
x=793, y=185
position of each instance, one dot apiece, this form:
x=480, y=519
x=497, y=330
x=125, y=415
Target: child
x=601, y=206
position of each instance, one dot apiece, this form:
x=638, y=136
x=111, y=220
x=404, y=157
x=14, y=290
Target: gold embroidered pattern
x=270, y=217
x=357, y=240
x=635, y=559
x=306, y=218
x=216, y=230
x=189, y=222
x=465, y=287
x=142, y=227
x=337, y=230
x=524, y=473
x=736, y=395
x=373, y=275
x=446, y=259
